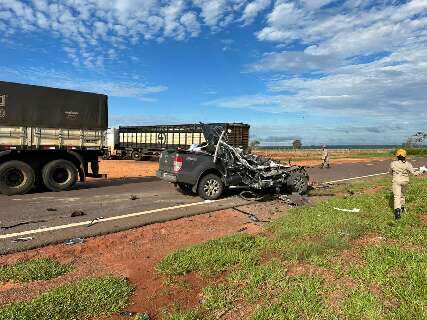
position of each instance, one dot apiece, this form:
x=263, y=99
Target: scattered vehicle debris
x=135, y=315
x=215, y=165
x=134, y=197
x=354, y=210
x=23, y=239
x=21, y=224
x=294, y=199
x=51, y=209
x=95, y=221
x=77, y=213
x=74, y=241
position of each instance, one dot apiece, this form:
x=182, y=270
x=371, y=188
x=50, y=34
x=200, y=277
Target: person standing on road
x=325, y=158
x=401, y=169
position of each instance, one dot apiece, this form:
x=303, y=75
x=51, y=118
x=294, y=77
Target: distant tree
x=297, y=144
x=415, y=140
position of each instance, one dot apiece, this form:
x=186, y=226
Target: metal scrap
x=23, y=239
x=21, y=224
x=95, y=221
x=354, y=210
x=74, y=241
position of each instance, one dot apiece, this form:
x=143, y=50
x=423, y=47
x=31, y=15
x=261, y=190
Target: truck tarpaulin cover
x=34, y=106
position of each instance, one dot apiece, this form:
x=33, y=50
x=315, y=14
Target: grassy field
x=315, y=154
x=36, y=269
x=318, y=263
x=80, y=300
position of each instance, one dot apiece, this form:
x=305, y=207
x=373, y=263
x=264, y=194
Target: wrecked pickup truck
x=210, y=168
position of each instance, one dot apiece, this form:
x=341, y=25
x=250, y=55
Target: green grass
x=80, y=300
x=213, y=256
x=389, y=277
x=36, y=269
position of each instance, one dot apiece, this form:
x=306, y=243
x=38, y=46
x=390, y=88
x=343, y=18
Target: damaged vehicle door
x=210, y=168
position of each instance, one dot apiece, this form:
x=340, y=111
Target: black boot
x=397, y=214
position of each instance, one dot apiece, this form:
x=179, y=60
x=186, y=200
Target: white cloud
x=253, y=8
x=92, y=25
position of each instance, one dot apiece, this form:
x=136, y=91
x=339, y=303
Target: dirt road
x=119, y=204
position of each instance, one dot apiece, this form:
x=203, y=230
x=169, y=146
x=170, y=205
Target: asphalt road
x=115, y=205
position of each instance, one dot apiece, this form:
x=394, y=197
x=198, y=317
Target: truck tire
x=136, y=155
x=297, y=182
x=59, y=175
x=16, y=177
x=210, y=187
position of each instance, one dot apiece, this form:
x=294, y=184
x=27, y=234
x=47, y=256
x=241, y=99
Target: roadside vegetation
x=314, y=154
x=35, y=269
x=80, y=300
x=318, y=262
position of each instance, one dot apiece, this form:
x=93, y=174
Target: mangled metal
x=256, y=172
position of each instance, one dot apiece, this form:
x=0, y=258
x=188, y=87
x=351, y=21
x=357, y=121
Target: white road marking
x=88, y=222
x=354, y=178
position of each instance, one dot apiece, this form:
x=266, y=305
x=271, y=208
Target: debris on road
x=23, y=239
x=95, y=221
x=250, y=215
x=51, y=209
x=354, y=210
x=77, y=213
x=21, y=224
x=133, y=197
x=74, y=241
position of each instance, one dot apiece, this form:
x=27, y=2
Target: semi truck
x=141, y=142
x=49, y=137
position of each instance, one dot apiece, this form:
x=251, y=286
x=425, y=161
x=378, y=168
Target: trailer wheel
x=59, y=175
x=136, y=155
x=210, y=187
x=16, y=177
x=297, y=182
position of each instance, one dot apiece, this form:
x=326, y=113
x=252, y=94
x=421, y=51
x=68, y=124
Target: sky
x=323, y=71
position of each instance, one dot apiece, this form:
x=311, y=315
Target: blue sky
x=324, y=71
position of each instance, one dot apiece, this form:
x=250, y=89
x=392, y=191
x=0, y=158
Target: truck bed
x=50, y=138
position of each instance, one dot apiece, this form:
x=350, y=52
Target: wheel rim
x=60, y=175
x=211, y=187
x=13, y=178
x=136, y=156
x=299, y=183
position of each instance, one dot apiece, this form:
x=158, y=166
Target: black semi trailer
x=139, y=142
x=49, y=137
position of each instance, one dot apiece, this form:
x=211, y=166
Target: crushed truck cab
x=210, y=168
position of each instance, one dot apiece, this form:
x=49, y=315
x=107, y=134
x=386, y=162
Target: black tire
x=16, y=177
x=210, y=187
x=185, y=188
x=297, y=182
x=136, y=155
x=59, y=175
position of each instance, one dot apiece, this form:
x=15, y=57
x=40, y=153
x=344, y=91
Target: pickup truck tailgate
x=166, y=161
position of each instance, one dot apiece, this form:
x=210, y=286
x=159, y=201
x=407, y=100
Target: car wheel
x=136, y=155
x=297, y=182
x=16, y=177
x=59, y=175
x=210, y=187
